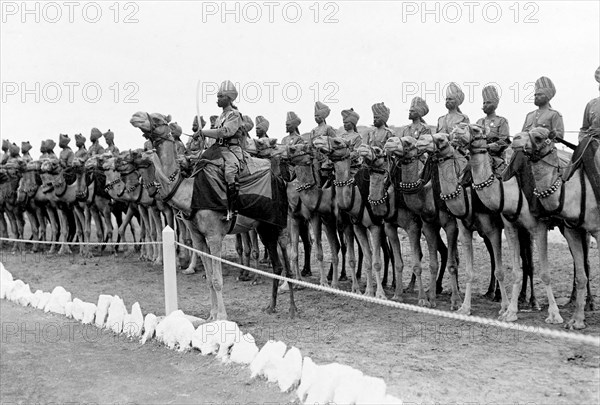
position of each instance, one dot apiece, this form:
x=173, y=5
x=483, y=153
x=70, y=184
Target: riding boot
x=233, y=190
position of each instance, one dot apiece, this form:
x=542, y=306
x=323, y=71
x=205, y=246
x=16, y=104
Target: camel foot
x=424, y=303
x=324, y=283
x=464, y=310
x=270, y=309
x=306, y=272
x=381, y=295
x=65, y=250
x=554, y=318
x=369, y=293
x=397, y=298
x=489, y=295
x=188, y=271
x=258, y=280
x=244, y=276
x=293, y=312
x=535, y=306
x=589, y=304
x=508, y=316
x=356, y=289
x=575, y=324
x=343, y=277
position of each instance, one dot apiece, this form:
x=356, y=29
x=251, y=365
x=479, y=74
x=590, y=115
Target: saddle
x=583, y=157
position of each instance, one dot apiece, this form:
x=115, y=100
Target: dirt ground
x=423, y=359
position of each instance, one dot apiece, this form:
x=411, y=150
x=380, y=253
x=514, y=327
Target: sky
x=66, y=67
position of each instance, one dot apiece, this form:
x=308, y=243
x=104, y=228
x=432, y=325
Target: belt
x=227, y=141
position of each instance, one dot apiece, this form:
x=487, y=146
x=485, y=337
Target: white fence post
x=169, y=269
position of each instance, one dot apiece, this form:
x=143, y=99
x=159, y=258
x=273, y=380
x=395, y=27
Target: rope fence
x=170, y=278
x=557, y=334
x=46, y=242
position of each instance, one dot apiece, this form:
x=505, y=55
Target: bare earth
x=422, y=358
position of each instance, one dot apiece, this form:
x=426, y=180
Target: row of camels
x=372, y=192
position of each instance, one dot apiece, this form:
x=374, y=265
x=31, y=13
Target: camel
x=472, y=217
x=35, y=210
x=385, y=204
x=10, y=175
x=317, y=205
x=506, y=198
x=208, y=228
x=419, y=198
x=63, y=196
x=580, y=211
x=367, y=229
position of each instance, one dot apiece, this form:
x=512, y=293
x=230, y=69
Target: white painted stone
x=44, y=299
x=309, y=374
x=89, y=313
x=349, y=388
x=77, y=309
x=25, y=296
x=133, y=323
x=391, y=400
x=35, y=298
x=6, y=281
x=244, y=351
x=102, y=309
x=15, y=292
x=150, y=323
x=58, y=299
x=175, y=331
x=116, y=313
x=267, y=360
x=290, y=370
x=68, y=309
x=329, y=376
x=206, y=338
x=375, y=394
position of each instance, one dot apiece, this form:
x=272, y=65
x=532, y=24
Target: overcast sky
x=86, y=64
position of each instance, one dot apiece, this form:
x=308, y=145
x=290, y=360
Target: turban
x=25, y=147
x=262, y=123
x=247, y=123
x=79, y=139
x=545, y=86
x=14, y=150
x=350, y=116
x=109, y=135
x=5, y=144
x=95, y=134
x=490, y=93
x=597, y=74
x=228, y=89
x=50, y=144
x=175, y=129
x=43, y=147
x=292, y=119
x=420, y=106
x=63, y=140
x=321, y=110
x=381, y=111
x=453, y=91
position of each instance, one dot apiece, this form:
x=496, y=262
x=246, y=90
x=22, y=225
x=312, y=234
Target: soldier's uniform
x=25, y=148
x=5, y=148
x=498, y=139
x=176, y=132
x=294, y=137
x=95, y=148
x=109, y=136
x=13, y=153
x=448, y=122
x=591, y=115
x=82, y=152
x=351, y=136
x=379, y=136
x=66, y=154
x=545, y=118
x=49, y=145
x=415, y=130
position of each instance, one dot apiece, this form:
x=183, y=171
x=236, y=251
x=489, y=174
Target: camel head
x=124, y=163
x=409, y=146
x=268, y=148
x=93, y=162
x=536, y=143
x=141, y=159
x=425, y=143
x=108, y=162
x=300, y=154
x=51, y=166
x=155, y=126
x=468, y=136
x=393, y=146
x=337, y=148
x=521, y=141
x=372, y=156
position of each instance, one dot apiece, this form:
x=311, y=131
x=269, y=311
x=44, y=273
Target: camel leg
x=304, y=232
x=80, y=224
x=316, y=225
x=361, y=234
x=3, y=227
x=432, y=234
x=377, y=240
x=108, y=237
x=12, y=219
x=334, y=247
x=158, y=226
x=215, y=279
x=491, y=292
x=510, y=315
x=541, y=240
x=191, y=269
x=54, y=227
x=121, y=230
x=494, y=236
x=349, y=236
x=576, y=240
x=443, y=251
x=391, y=231
x=526, y=253
x=451, y=230
x=35, y=229
x=269, y=236
x=255, y=247
x=64, y=232
x=414, y=238
x=466, y=239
